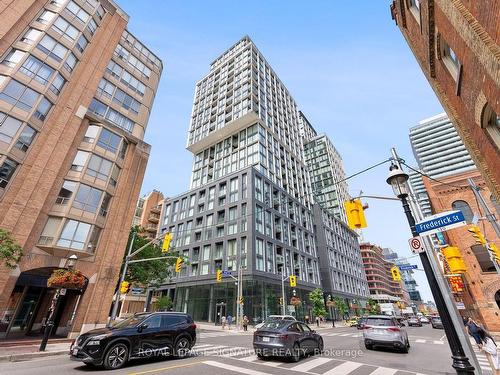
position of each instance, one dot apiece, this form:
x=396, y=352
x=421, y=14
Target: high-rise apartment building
x=147, y=213
x=457, y=47
x=76, y=92
x=249, y=206
x=328, y=184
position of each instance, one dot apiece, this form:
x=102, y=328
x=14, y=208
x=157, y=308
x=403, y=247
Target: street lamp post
x=399, y=182
x=49, y=325
x=330, y=305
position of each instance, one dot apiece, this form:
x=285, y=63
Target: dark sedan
x=140, y=336
x=285, y=338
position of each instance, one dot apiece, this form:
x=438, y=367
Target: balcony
x=154, y=218
x=156, y=209
x=151, y=228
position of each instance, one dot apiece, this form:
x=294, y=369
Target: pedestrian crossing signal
x=293, y=281
x=178, y=265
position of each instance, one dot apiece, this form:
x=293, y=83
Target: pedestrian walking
x=223, y=322
x=473, y=330
x=489, y=346
x=245, y=323
x=307, y=319
x=317, y=321
x=229, y=321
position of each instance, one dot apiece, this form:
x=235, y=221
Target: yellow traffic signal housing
x=124, y=287
x=477, y=234
x=494, y=251
x=281, y=301
x=355, y=214
x=166, y=242
x=218, y=276
x=242, y=300
x=396, y=276
x=293, y=281
x=454, y=259
x=178, y=264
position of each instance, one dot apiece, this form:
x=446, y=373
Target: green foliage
x=318, y=302
x=372, y=306
x=164, y=303
x=152, y=272
x=10, y=251
x=341, y=306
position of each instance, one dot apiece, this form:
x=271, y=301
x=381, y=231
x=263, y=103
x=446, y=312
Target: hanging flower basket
x=295, y=301
x=68, y=279
x=330, y=303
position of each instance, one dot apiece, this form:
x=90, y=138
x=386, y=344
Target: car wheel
x=116, y=357
x=295, y=353
x=321, y=345
x=407, y=343
x=368, y=346
x=182, y=347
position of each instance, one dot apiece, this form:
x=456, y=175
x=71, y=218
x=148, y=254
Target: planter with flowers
x=68, y=279
x=295, y=301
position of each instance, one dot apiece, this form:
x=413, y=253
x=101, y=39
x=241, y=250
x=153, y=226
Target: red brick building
x=76, y=92
x=481, y=294
x=456, y=44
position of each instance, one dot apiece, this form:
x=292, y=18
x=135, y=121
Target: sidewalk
x=29, y=350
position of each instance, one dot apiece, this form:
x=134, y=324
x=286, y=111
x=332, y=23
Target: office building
x=76, y=92
x=456, y=46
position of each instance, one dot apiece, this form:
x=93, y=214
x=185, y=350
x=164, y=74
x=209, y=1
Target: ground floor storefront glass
x=260, y=299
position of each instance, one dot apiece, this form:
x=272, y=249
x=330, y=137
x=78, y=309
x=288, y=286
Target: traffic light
x=178, y=264
x=166, y=242
x=355, y=214
x=494, y=252
x=218, y=276
x=293, y=281
x=124, y=287
x=241, y=300
x=454, y=259
x=281, y=301
x=476, y=233
x=396, y=276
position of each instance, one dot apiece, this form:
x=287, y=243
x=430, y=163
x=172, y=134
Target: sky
x=345, y=63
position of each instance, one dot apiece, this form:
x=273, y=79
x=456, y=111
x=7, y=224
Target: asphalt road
x=221, y=353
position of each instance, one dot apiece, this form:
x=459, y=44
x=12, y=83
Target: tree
x=372, y=306
x=152, y=272
x=318, y=302
x=10, y=251
x=164, y=303
x=341, y=306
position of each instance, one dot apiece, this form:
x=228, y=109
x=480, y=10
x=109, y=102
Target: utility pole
x=453, y=325
x=489, y=215
x=283, y=279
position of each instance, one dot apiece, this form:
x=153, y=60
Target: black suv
x=142, y=335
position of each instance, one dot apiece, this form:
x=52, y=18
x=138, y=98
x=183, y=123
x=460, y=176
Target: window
x=46, y=17
x=126, y=78
x=110, y=91
x=74, y=235
x=50, y=230
x=25, y=138
x=111, y=115
x=450, y=59
x=70, y=62
x=43, y=109
x=9, y=126
x=131, y=60
x=99, y=168
x=259, y=254
x=7, y=169
x=82, y=43
x=51, y=48
x=109, y=141
x=490, y=122
x=465, y=208
x=37, y=70
x=66, y=192
x=91, y=27
x=91, y=133
x=79, y=161
x=66, y=29
x=414, y=6
x=483, y=258
x=31, y=36
x=78, y=12
x=87, y=198
x=103, y=211
x=13, y=57
x=206, y=252
x=57, y=84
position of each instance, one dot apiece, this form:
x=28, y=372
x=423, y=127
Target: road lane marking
x=233, y=369
x=166, y=368
x=344, y=369
x=438, y=342
x=441, y=339
x=420, y=341
x=306, y=366
x=250, y=358
x=384, y=371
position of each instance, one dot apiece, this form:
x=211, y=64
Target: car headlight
x=96, y=340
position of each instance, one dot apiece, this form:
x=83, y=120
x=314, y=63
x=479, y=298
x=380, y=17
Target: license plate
x=378, y=332
x=265, y=339
x=75, y=351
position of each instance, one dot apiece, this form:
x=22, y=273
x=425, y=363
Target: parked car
x=353, y=322
x=361, y=322
x=436, y=322
x=424, y=319
x=286, y=338
x=414, y=322
x=142, y=335
x=275, y=317
x=384, y=330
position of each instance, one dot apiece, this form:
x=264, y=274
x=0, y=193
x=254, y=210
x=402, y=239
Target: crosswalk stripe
x=306, y=366
x=344, y=368
x=420, y=341
x=201, y=346
x=232, y=368
x=345, y=334
x=234, y=351
x=438, y=342
x=250, y=358
x=384, y=371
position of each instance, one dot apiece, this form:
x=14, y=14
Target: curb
x=26, y=356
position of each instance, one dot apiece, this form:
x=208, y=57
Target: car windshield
x=131, y=322
x=436, y=319
x=275, y=324
x=379, y=322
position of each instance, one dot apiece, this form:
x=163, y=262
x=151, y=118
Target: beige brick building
x=147, y=213
x=481, y=295
x=76, y=92
x=456, y=43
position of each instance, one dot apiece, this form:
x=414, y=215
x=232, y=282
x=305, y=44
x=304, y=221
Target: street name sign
x=441, y=222
x=137, y=291
x=226, y=273
x=416, y=245
x=408, y=267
